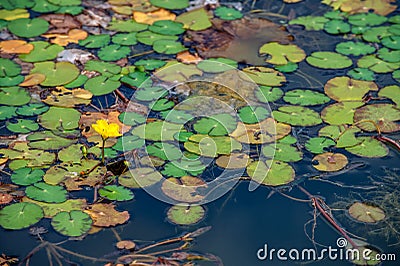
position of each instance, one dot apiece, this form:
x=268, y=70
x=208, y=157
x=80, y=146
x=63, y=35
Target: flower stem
x=102, y=151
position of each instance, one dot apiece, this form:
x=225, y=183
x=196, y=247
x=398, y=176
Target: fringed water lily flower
x=106, y=130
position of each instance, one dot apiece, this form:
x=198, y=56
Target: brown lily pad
x=183, y=189
x=385, y=116
x=105, y=215
x=233, y=161
x=329, y=162
x=366, y=213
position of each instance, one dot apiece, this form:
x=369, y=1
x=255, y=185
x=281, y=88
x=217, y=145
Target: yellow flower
x=106, y=130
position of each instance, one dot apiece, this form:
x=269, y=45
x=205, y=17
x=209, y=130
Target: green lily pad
x=227, y=13
x=329, y=60
x=150, y=64
x=168, y=47
x=46, y=140
x=369, y=147
x=60, y=118
x=22, y=126
x=281, y=54
x=185, y=214
x=150, y=93
x=164, y=151
x=265, y=76
x=305, y=97
x=126, y=26
x=184, y=166
x=268, y=94
x=385, y=116
x=132, y=118
x=56, y=73
x=366, y=213
x=101, y=85
x=297, y=116
x=104, y=68
x=177, y=116
x=125, y=38
x=11, y=81
x=167, y=27
x=319, y=145
x=78, y=82
x=392, y=42
x=149, y=37
x=337, y=26
x=182, y=136
x=270, y=173
x=354, y=48
x=396, y=75
x=28, y=28
x=216, y=125
x=375, y=34
x=48, y=193
x=71, y=154
x=197, y=19
x=310, y=22
x=177, y=72
x=347, y=89
x=42, y=51
x=211, y=146
x=376, y=64
x=113, y=52
x=282, y=152
x=170, y=4
x=26, y=176
x=9, y=68
x=367, y=19
x=344, y=137
x=95, y=41
x=157, y=131
x=65, y=2
x=128, y=142
x=217, y=65
x=162, y=105
x=340, y=113
x=7, y=112
x=391, y=56
x=391, y=92
x=44, y=6
x=51, y=209
x=20, y=215
x=252, y=115
x=140, y=177
x=184, y=189
x=74, y=223
x=135, y=79
x=11, y=5
x=118, y=193
x=32, y=109
x=361, y=74
x=15, y=96
x=288, y=68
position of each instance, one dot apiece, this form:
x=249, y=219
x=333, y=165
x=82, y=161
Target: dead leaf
x=151, y=17
x=32, y=80
x=188, y=58
x=381, y=7
x=105, y=215
x=94, y=18
x=5, y=198
x=68, y=98
x=230, y=39
x=126, y=244
x=61, y=23
x=15, y=47
x=73, y=36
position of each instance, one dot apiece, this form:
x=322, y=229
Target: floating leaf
x=385, y=117
x=340, y=113
x=252, y=115
x=369, y=147
x=270, y=173
x=47, y=193
x=347, y=89
x=177, y=72
x=63, y=97
x=151, y=17
x=305, y=97
x=73, y=36
x=168, y=47
x=27, y=176
x=7, y=112
x=233, y=161
x=265, y=132
x=392, y=92
x=32, y=80
x=73, y=223
x=197, y=19
x=211, y=146
x=328, y=60
x=60, y=118
x=22, y=126
x=281, y=54
x=148, y=37
x=376, y=64
x=344, y=136
x=150, y=64
x=113, y=52
x=268, y=94
x=32, y=109
x=28, y=28
x=310, y=22
x=164, y=151
x=170, y=4
x=125, y=38
x=392, y=42
x=118, y=193
x=101, y=85
x=362, y=74
x=15, y=96
x=140, y=177
x=319, y=144
x=366, y=213
x=71, y=154
x=20, y=215
x=389, y=55
x=354, y=48
x=51, y=209
x=104, y=68
x=216, y=125
x=217, y=65
x=329, y=162
x=366, y=19
x=46, y=140
x=227, y=13
x=297, y=116
x=15, y=47
x=56, y=73
x=265, y=76
x=282, y=152
x=9, y=68
x=185, y=214
x=183, y=189
x=126, y=26
x=167, y=27
x=336, y=26
x=95, y=41
x=105, y=215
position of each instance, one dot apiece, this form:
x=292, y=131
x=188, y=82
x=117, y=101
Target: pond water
x=242, y=222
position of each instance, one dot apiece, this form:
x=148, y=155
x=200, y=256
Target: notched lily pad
x=297, y=116
x=347, y=89
x=184, y=189
x=20, y=215
x=385, y=116
x=48, y=193
x=366, y=213
x=329, y=60
x=329, y=162
x=73, y=223
x=185, y=214
x=271, y=173
x=105, y=215
x=281, y=54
